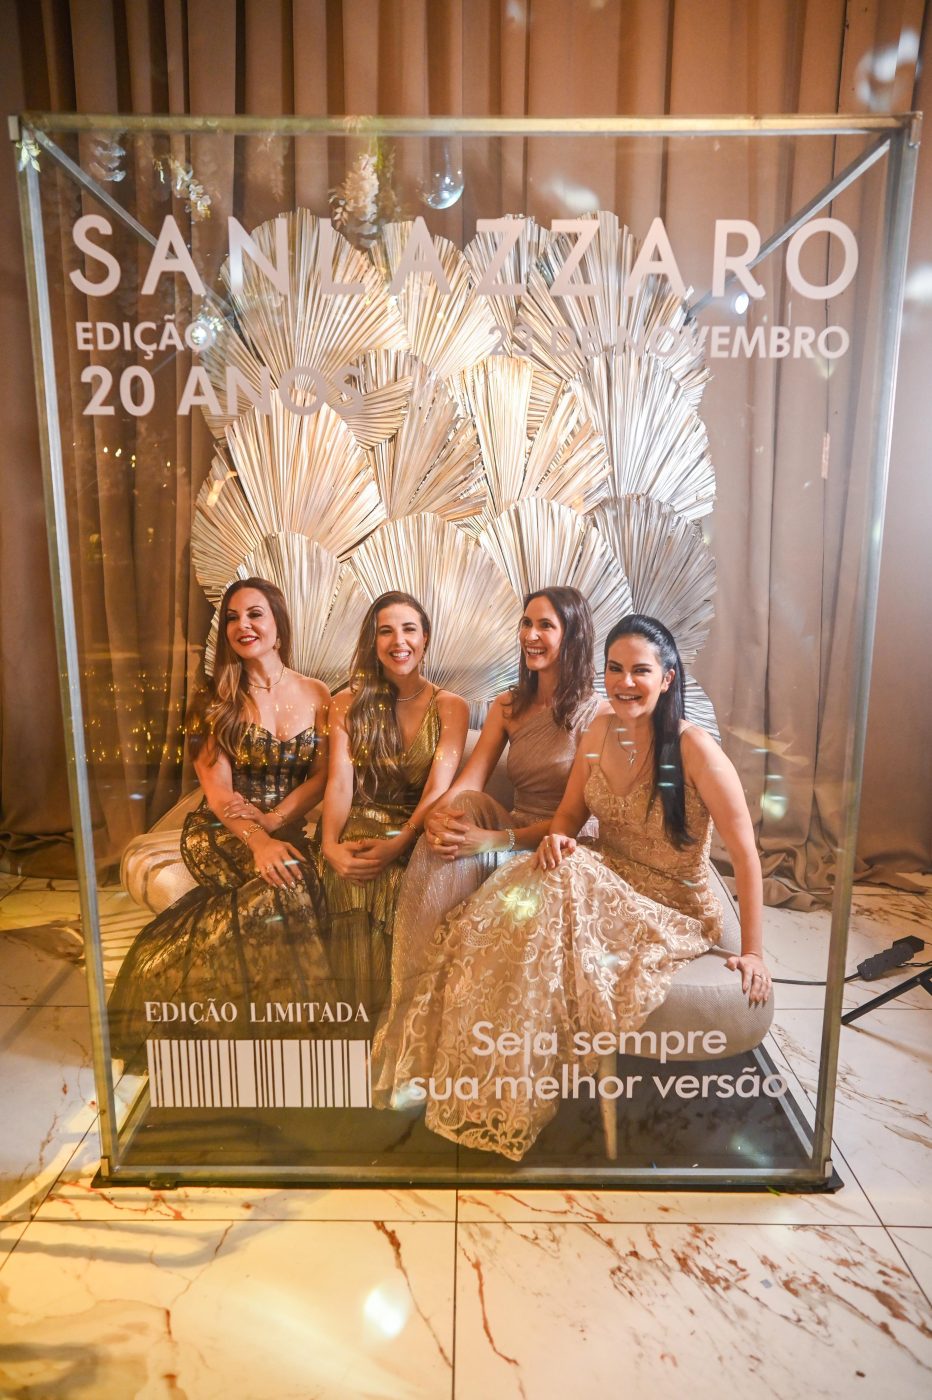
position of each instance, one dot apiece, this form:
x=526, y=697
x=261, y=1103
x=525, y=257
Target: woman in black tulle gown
x=250, y=933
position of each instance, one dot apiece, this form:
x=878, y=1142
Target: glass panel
x=654, y=375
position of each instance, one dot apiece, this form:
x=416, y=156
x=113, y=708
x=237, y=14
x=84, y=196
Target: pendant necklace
x=401, y=699
x=629, y=749
x=257, y=685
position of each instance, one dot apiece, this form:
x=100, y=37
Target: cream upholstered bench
x=704, y=995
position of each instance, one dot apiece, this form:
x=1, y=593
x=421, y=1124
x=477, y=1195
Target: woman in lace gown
x=251, y=930
x=468, y=833
x=570, y=941
x=396, y=742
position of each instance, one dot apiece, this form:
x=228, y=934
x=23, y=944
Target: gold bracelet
x=279, y=819
x=249, y=830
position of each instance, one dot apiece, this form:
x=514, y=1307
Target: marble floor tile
x=772, y=1313
x=47, y=1100
x=797, y=944
x=916, y=1248
x=74, y=1197
x=269, y=1310
x=42, y=965
x=34, y=908
x=849, y=1206
x=883, y=1124
x=8, y=883
x=11, y=1232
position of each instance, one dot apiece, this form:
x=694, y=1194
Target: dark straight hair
x=669, y=712
x=577, y=666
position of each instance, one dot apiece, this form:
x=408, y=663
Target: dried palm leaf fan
x=667, y=563
x=473, y=609
x=698, y=707
x=293, y=473
x=224, y=529
x=565, y=461
x=325, y=604
x=515, y=269
x=448, y=331
x=433, y=462
x=566, y=330
x=539, y=544
x=310, y=326
x=657, y=443
x=383, y=405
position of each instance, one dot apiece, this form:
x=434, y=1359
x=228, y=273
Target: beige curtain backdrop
x=540, y=57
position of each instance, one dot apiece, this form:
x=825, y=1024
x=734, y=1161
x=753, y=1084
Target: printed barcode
x=259, y=1073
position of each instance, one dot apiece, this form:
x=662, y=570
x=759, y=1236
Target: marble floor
x=478, y=1294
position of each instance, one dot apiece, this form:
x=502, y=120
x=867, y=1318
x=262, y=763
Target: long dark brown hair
x=371, y=723
x=222, y=706
x=577, y=665
x=670, y=710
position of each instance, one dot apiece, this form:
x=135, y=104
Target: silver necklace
x=401, y=699
x=628, y=748
x=257, y=685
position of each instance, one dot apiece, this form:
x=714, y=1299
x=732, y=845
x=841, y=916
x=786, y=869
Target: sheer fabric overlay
x=590, y=946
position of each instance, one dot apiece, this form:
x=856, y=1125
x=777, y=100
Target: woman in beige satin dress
x=468, y=833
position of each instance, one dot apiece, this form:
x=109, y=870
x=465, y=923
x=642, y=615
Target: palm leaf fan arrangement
x=699, y=707
x=538, y=544
x=325, y=604
x=306, y=474
x=565, y=460
x=472, y=606
x=515, y=270
x=657, y=443
x=310, y=326
x=433, y=462
x=668, y=565
x=448, y=331
x=653, y=319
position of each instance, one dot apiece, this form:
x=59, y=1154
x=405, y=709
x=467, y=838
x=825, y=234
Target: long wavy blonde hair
x=222, y=706
x=374, y=734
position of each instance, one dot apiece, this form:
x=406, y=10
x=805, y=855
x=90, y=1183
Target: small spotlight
x=742, y=302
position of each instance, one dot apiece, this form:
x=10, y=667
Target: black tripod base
x=922, y=979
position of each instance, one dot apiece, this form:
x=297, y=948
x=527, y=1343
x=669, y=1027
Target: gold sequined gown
x=233, y=939
x=590, y=946
x=538, y=764
x=361, y=915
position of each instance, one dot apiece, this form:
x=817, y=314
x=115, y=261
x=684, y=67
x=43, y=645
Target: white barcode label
x=259, y=1073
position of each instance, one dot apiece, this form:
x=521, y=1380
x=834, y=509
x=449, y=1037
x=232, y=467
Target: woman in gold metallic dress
x=468, y=833
x=572, y=942
x=251, y=931
x=395, y=743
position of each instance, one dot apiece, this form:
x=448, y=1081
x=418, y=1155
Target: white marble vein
x=201, y=1311
x=882, y=1115
x=666, y=1310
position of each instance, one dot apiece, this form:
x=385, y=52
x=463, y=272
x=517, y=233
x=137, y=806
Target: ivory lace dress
x=538, y=765
x=235, y=938
x=361, y=915
x=590, y=946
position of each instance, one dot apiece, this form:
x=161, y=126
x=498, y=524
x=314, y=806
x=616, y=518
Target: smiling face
x=634, y=677
x=400, y=640
x=540, y=633
x=250, y=625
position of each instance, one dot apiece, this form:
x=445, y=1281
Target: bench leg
x=607, y=1108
